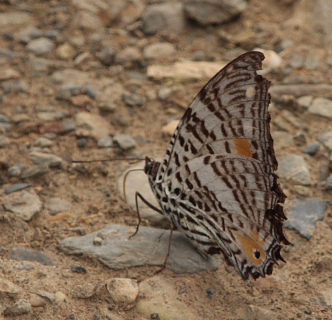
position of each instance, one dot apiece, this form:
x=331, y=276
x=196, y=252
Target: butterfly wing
x=217, y=183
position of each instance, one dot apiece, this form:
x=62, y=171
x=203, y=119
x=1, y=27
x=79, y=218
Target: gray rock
x=311, y=149
x=321, y=107
x=107, y=55
x=14, y=86
x=25, y=204
x=159, y=50
x=17, y=187
x=4, y=141
x=303, y=215
x=148, y=247
x=16, y=170
x=328, y=183
x=133, y=99
x=19, y=308
x=14, y=18
x=69, y=90
x=167, y=17
x=106, y=142
x=130, y=54
x=70, y=77
x=124, y=141
x=24, y=254
x=294, y=168
x=8, y=289
x=43, y=142
x=95, y=125
x=3, y=118
x=57, y=205
x=40, y=46
x=326, y=140
x=35, y=171
x=305, y=101
x=207, y=12
x=48, y=159
x=29, y=34
x=68, y=125
x=300, y=138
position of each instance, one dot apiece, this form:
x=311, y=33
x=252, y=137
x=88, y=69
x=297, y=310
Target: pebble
x=311, y=149
x=159, y=50
x=8, y=289
x=60, y=297
x=98, y=127
x=35, y=171
x=300, y=138
x=326, y=140
x=213, y=12
x=7, y=74
x=19, y=308
x=294, y=168
x=14, y=86
x=37, y=301
x=106, y=142
x=66, y=51
x=41, y=46
x=25, y=254
x=124, y=141
x=164, y=17
x=67, y=91
x=43, y=142
x=122, y=290
x=303, y=215
x=148, y=248
x=45, y=160
x=328, y=183
x=68, y=125
x=133, y=99
x=25, y=204
x=47, y=295
x=130, y=54
x=282, y=140
x=107, y=55
x=305, y=101
x=57, y=205
x=17, y=187
x=4, y=141
x=28, y=34
x=70, y=77
x=321, y=107
x=16, y=170
x=87, y=21
x=14, y=18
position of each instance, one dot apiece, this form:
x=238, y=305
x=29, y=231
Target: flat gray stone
x=124, y=141
x=25, y=204
x=57, y=205
x=294, y=168
x=148, y=248
x=303, y=215
x=321, y=107
x=25, y=254
x=40, y=46
x=326, y=140
x=207, y=12
x=167, y=17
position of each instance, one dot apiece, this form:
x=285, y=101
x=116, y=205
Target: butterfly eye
x=257, y=254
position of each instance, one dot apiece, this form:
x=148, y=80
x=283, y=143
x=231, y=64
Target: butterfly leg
x=138, y=195
x=168, y=250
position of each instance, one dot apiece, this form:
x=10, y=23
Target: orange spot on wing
x=243, y=147
x=250, y=244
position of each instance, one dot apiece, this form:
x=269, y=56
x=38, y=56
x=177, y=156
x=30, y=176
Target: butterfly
x=217, y=182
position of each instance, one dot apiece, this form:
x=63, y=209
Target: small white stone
x=122, y=290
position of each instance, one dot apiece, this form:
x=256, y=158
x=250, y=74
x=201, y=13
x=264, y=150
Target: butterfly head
x=151, y=167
